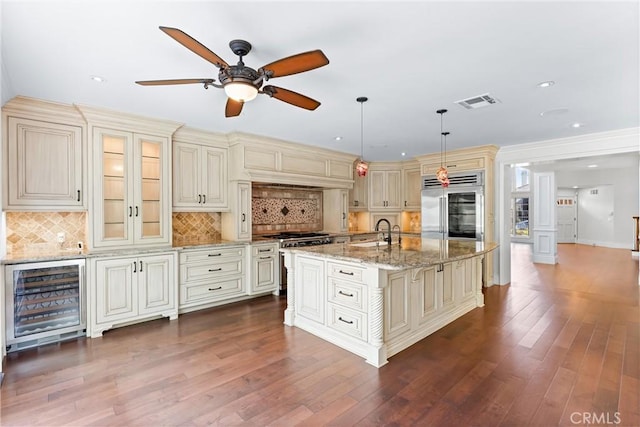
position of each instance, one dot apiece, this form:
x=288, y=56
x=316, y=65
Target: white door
x=566, y=214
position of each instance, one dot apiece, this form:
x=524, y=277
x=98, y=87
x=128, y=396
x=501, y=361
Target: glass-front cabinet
x=131, y=195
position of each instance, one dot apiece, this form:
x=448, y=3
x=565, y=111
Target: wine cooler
x=45, y=303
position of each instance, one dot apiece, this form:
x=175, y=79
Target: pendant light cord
x=362, y=130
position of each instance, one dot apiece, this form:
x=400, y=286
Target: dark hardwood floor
x=559, y=346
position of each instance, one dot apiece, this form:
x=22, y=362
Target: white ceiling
x=409, y=58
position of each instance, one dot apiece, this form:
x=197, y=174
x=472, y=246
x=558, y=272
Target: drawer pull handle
x=348, y=273
x=215, y=289
x=345, y=294
x=350, y=322
x=265, y=257
x=204, y=199
x=218, y=254
x=215, y=269
x=78, y=195
x=264, y=250
x=199, y=198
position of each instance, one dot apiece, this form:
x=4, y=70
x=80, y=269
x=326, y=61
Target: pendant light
x=441, y=174
x=362, y=167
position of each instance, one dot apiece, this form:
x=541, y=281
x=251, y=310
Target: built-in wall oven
x=455, y=212
x=293, y=240
x=44, y=302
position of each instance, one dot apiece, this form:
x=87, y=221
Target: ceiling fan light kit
x=241, y=83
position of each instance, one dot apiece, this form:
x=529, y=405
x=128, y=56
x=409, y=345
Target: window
x=520, y=179
x=520, y=216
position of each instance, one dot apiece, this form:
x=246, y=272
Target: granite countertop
x=414, y=252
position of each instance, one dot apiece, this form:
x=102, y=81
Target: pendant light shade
x=442, y=175
x=362, y=167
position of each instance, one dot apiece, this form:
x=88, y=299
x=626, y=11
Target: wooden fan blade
x=195, y=46
x=174, y=82
x=233, y=108
x=296, y=64
x=291, y=97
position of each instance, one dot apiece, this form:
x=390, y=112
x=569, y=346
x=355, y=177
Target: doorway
x=567, y=216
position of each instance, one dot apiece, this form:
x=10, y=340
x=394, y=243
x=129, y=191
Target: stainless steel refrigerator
x=456, y=212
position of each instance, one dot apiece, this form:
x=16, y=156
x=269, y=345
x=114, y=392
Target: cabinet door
x=397, y=299
x=344, y=210
x=45, y=168
x=214, y=177
x=412, y=188
x=244, y=209
x=310, y=289
x=156, y=285
x=113, y=188
x=426, y=300
x=115, y=296
x=358, y=197
x=393, y=190
x=186, y=175
x=151, y=208
x=377, y=190
x=263, y=276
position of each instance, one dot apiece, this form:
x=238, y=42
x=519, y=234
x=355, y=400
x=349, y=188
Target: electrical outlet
x=61, y=237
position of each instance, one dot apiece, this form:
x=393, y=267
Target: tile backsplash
x=283, y=208
x=32, y=231
x=201, y=227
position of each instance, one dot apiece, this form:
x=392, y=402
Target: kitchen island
x=375, y=299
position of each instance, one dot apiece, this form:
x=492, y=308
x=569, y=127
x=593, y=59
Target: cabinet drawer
x=211, y=292
x=347, y=294
x=344, y=271
x=350, y=322
x=211, y=270
x=210, y=255
x=264, y=250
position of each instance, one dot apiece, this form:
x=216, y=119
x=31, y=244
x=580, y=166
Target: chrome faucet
x=388, y=238
x=399, y=238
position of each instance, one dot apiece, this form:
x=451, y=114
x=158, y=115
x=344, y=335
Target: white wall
x=605, y=219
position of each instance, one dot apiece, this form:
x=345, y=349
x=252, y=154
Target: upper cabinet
x=200, y=178
x=359, y=194
x=385, y=187
x=411, y=186
x=44, y=156
x=130, y=180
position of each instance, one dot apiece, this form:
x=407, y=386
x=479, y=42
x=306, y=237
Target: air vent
x=478, y=101
x=594, y=192
x=459, y=180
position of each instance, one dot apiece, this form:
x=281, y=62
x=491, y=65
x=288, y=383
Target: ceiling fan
x=242, y=83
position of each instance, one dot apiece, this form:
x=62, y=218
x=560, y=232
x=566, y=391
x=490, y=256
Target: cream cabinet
x=417, y=299
x=411, y=187
x=385, y=189
x=131, y=289
x=479, y=158
x=335, y=206
x=131, y=203
x=200, y=178
x=211, y=276
x=236, y=224
x=265, y=268
x=347, y=300
x=310, y=301
x=44, y=146
x=358, y=195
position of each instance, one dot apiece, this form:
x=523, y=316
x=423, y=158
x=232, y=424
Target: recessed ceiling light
x=403, y=154
x=548, y=83
x=98, y=79
x=338, y=138
x=577, y=125
x=592, y=166
x=554, y=112
x=575, y=186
